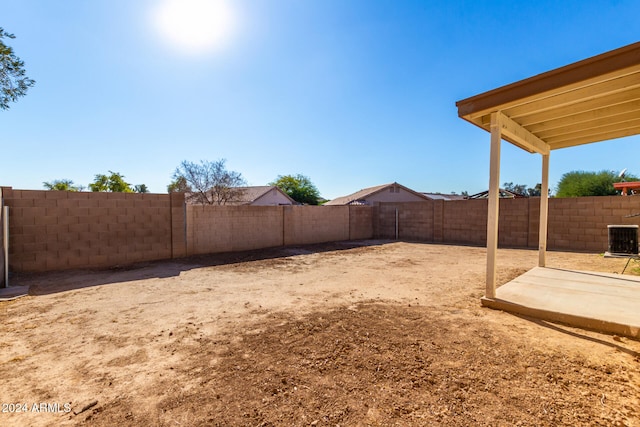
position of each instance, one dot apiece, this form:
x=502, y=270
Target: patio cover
x=593, y=100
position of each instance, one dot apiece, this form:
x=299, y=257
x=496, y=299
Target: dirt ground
x=350, y=334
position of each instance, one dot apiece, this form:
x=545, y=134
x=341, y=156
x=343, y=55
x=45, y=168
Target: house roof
x=588, y=101
x=503, y=194
x=439, y=196
x=368, y=192
x=249, y=195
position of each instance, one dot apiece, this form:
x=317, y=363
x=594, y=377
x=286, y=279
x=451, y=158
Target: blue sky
x=351, y=93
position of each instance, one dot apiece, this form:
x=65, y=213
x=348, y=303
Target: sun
x=195, y=26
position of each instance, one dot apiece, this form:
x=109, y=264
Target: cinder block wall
x=465, y=222
x=513, y=228
x=213, y=229
x=360, y=222
x=575, y=224
x=56, y=230
x=416, y=220
x=315, y=224
x=581, y=223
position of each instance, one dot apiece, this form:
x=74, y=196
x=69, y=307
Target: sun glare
x=195, y=26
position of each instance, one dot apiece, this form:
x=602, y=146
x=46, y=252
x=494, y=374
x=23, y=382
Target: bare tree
x=208, y=182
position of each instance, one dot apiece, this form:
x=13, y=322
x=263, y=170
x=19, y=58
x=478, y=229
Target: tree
x=208, y=183
x=299, y=188
x=178, y=185
x=523, y=189
x=13, y=81
x=62, y=185
x=140, y=188
x=515, y=188
x=535, y=191
x=113, y=183
x=581, y=183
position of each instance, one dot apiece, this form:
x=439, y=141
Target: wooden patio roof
x=592, y=100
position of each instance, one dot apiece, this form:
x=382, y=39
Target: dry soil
x=352, y=334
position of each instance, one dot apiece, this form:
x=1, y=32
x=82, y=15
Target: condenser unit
x=623, y=240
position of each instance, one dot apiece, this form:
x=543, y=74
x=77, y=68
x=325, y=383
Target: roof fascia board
x=614, y=63
x=594, y=92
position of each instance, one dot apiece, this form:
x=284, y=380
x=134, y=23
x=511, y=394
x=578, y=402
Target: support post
x=544, y=212
x=5, y=243
x=494, y=196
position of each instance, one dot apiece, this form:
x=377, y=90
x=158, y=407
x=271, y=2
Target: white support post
x=544, y=212
x=494, y=195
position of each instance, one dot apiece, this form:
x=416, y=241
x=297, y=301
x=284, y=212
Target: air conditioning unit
x=623, y=240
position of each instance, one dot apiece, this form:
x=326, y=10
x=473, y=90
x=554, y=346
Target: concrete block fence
x=575, y=224
x=57, y=230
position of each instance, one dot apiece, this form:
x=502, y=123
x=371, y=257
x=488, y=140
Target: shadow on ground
x=60, y=281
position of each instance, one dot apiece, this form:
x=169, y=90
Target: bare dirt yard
x=350, y=334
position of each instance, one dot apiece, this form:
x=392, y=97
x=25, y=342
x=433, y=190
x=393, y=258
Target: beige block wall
x=513, y=228
x=178, y=225
x=575, y=224
x=315, y=224
x=581, y=223
x=214, y=229
x=52, y=230
x=56, y=230
x=360, y=222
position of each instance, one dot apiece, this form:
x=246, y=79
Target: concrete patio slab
x=608, y=303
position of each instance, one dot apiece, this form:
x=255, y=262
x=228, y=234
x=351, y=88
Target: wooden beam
x=585, y=93
x=618, y=98
x=519, y=135
x=619, y=112
x=570, y=142
x=493, y=205
x=598, y=68
x=594, y=127
x=544, y=212
x=472, y=108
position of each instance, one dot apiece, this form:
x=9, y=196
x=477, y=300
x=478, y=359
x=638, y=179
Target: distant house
x=446, y=197
x=504, y=194
x=393, y=192
x=266, y=195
